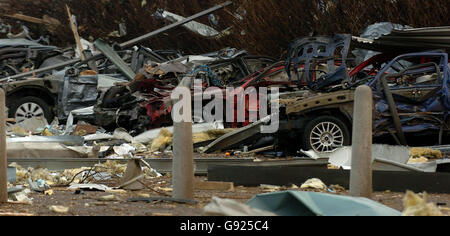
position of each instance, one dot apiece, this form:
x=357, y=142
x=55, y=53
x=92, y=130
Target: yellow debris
x=314, y=184
x=210, y=135
x=23, y=175
x=17, y=130
x=59, y=209
x=332, y=167
x=418, y=160
x=163, y=189
x=144, y=195
x=116, y=191
x=444, y=208
x=426, y=153
x=88, y=72
x=80, y=133
x=414, y=205
x=164, y=139
x=109, y=198
x=140, y=148
x=47, y=133
x=112, y=167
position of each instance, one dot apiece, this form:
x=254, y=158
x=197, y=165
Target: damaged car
x=21, y=55
x=56, y=94
x=317, y=90
x=145, y=101
x=411, y=100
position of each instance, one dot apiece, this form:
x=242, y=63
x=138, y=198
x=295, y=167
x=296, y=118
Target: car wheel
x=29, y=107
x=326, y=134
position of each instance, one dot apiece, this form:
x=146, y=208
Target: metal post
x=361, y=172
x=3, y=162
x=183, y=154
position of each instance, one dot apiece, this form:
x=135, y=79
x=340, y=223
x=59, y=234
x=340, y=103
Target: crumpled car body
x=19, y=55
x=144, y=103
x=418, y=83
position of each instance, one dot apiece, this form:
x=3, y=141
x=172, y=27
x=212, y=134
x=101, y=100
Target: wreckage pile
x=100, y=101
x=261, y=27
x=118, y=105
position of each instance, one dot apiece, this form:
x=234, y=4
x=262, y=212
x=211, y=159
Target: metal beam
x=174, y=25
x=112, y=55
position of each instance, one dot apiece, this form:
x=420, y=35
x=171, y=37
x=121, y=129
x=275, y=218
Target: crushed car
x=31, y=92
x=56, y=94
x=144, y=103
x=317, y=86
x=21, y=55
x=414, y=86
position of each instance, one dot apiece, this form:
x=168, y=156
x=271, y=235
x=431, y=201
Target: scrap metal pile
x=96, y=115
x=117, y=97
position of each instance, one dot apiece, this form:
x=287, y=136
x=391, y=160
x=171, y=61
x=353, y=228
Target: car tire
x=326, y=134
x=28, y=107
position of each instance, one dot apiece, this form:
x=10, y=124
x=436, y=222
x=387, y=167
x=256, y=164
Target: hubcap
x=28, y=111
x=326, y=137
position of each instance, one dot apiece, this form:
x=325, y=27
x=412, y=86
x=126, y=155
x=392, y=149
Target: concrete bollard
x=3, y=161
x=183, y=151
x=361, y=172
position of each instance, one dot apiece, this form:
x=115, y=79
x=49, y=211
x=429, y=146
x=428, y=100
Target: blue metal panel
x=11, y=173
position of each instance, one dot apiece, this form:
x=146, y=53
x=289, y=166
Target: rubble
x=77, y=176
x=59, y=209
x=419, y=206
x=114, y=102
x=164, y=139
x=426, y=153
x=109, y=198
x=314, y=184
x=270, y=188
x=89, y=187
x=35, y=125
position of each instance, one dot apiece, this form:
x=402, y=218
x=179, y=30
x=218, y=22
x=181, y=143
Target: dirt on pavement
x=88, y=203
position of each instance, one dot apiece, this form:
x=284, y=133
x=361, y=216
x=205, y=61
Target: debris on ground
x=59, y=209
x=337, y=188
x=112, y=103
x=416, y=205
x=164, y=139
x=89, y=187
x=270, y=188
x=424, y=155
x=314, y=184
x=21, y=196
x=109, y=198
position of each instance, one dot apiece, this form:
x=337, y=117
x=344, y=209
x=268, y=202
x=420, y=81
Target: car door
x=416, y=83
